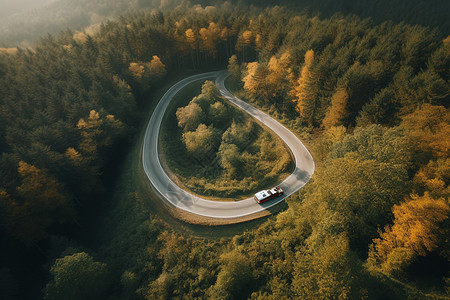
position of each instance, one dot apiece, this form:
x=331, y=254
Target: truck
x=264, y=195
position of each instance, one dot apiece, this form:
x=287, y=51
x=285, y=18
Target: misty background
x=22, y=22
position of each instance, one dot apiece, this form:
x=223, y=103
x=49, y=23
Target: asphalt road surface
x=304, y=163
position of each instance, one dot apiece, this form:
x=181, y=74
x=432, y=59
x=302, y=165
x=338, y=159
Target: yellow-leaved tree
x=251, y=82
x=136, y=69
x=243, y=42
x=416, y=231
x=434, y=177
x=191, y=38
x=152, y=70
x=97, y=133
x=190, y=116
x=305, y=91
x=338, y=110
x=208, y=38
x=203, y=139
x=277, y=79
x=156, y=67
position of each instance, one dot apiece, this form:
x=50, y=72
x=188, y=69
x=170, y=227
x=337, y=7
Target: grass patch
x=220, y=152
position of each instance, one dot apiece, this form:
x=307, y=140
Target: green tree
x=230, y=158
x=162, y=287
x=428, y=87
x=234, y=279
x=418, y=46
x=210, y=91
x=97, y=133
x=218, y=114
x=439, y=61
x=388, y=145
x=40, y=202
x=234, y=69
x=190, y=116
x=202, y=140
x=328, y=270
x=77, y=276
x=412, y=91
x=379, y=110
x=364, y=196
x=240, y=134
x=361, y=82
x=429, y=128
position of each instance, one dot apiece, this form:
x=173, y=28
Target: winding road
x=181, y=199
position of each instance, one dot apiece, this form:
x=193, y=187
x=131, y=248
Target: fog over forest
x=11, y=7
x=22, y=22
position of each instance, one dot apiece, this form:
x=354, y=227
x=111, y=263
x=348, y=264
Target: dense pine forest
x=368, y=97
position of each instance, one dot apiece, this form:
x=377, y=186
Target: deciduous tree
x=429, y=128
x=416, y=231
x=77, y=276
x=156, y=68
x=306, y=97
x=337, y=113
x=230, y=158
x=190, y=116
x=202, y=140
x=233, y=278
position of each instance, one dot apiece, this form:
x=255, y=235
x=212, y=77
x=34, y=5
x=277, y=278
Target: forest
x=368, y=97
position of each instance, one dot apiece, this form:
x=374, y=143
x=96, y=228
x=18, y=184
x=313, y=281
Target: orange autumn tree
x=192, y=40
x=416, y=232
x=243, y=43
x=152, y=70
x=252, y=82
x=434, y=177
x=337, y=111
x=208, y=39
x=156, y=68
x=137, y=69
x=305, y=91
x=279, y=75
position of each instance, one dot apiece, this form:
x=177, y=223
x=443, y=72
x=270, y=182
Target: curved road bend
x=304, y=163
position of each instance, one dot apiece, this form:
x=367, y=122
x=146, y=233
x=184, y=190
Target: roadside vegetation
x=370, y=101
x=217, y=150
